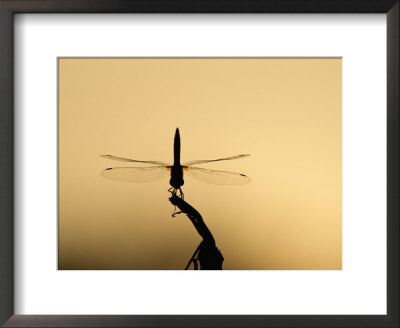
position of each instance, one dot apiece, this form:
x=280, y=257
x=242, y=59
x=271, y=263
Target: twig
x=209, y=256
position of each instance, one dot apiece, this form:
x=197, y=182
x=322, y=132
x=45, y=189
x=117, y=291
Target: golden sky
x=286, y=113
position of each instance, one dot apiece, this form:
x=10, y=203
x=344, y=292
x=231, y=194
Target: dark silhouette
x=207, y=253
x=160, y=170
x=176, y=180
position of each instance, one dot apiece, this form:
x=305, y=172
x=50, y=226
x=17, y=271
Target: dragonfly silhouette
x=160, y=170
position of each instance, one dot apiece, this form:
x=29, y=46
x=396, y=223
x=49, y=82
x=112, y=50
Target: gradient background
x=286, y=113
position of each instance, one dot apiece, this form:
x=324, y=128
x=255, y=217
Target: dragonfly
x=159, y=170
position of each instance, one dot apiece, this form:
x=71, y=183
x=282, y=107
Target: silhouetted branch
x=209, y=256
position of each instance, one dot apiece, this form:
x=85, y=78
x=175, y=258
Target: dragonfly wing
x=122, y=159
x=202, y=161
x=217, y=177
x=136, y=174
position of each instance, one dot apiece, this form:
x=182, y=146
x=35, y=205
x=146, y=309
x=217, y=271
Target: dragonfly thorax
x=176, y=180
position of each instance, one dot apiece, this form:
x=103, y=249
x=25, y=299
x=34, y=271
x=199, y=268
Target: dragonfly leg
x=174, y=191
x=178, y=193
x=176, y=213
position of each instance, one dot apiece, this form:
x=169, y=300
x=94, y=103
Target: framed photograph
x=256, y=142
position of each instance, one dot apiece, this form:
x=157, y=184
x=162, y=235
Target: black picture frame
x=10, y=7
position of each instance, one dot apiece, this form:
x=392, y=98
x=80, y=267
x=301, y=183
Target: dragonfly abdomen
x=177, y=148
